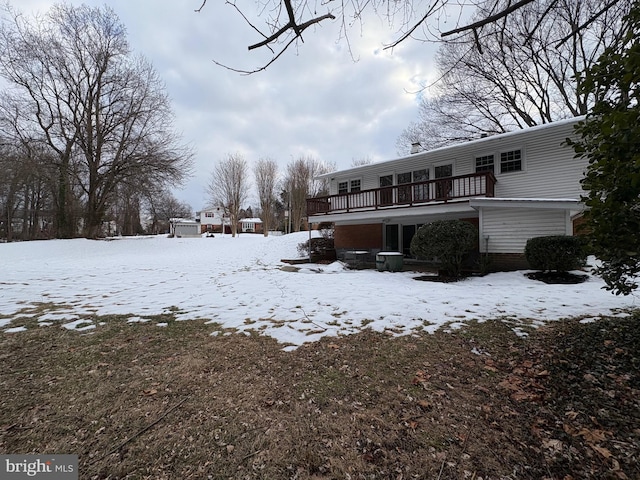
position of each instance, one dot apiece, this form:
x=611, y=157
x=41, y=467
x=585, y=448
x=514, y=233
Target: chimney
x=415, y=147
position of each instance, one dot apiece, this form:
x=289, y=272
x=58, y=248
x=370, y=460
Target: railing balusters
x=406, y=195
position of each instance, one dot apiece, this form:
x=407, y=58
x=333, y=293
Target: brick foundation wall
x=505, y=262
x=580, y=226
x=358, y=237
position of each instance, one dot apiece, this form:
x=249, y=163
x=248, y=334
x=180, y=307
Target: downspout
x=309, y=225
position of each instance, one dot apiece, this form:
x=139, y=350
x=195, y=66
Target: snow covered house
x=250, y=225
x=512, y=187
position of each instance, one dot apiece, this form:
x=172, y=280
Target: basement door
x=408, y=231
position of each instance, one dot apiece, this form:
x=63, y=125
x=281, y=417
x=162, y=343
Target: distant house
x=180, y=227
x=250, y=225
x=512, y=187
x=211, y=219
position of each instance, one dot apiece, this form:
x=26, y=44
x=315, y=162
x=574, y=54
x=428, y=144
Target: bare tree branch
x=402, y=12
x=260, y=69
x=430, y=12
x=297, y=28
x=241, y=13
x=587, y=23
x=540, y=20
x=488, y=20
x=198, y=10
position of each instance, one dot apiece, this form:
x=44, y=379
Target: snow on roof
x=515, y=199
x=251, y=220
x=563, y=203
x=181, y=220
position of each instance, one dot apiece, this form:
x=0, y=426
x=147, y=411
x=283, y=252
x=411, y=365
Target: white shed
x=180, y=227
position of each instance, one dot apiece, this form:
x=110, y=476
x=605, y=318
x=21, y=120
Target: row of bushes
x=449, y=242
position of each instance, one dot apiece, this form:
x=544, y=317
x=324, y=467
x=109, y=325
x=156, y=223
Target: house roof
x=479, y=142
x=182, y=220
x=210, y=209
x=547, y=203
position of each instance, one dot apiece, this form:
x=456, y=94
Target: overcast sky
x=315, y=100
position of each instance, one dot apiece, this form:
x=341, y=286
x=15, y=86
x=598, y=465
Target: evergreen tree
x=609, y=138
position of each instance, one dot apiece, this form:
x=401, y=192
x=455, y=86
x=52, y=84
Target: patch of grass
x=137, y=401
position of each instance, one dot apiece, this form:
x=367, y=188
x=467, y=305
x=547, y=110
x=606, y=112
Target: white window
x=404, y=193
x=511, y=161
x=484, y=163
x=386, y=192
x=421, y=192
x=353, y=185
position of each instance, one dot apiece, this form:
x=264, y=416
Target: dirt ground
x=138, y=401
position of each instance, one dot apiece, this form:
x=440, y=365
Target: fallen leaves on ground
x=561, y=404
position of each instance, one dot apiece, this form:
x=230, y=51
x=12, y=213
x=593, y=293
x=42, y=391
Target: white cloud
x=315, y=100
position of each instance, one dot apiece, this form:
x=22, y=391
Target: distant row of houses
x=212, y=220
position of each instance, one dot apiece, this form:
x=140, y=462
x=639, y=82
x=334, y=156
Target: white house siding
x=548, y=167
x=510, y=228
x=210, y=217
x=370, y=174
x=535, y=201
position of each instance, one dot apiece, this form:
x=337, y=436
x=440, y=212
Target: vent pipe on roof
x=415, y=147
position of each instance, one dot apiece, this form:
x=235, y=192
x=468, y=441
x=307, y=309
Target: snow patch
x=79, y=325
x=238, y=284
x=15, y=329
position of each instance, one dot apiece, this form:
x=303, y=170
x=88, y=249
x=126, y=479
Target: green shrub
x=446, y=242
x=322, y=248
x=559, y=253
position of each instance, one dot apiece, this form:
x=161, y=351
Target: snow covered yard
x=106, y=372
x=239, y=284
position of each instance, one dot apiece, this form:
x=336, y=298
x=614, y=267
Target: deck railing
x=406, y=195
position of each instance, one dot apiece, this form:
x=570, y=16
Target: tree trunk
x=64, y=218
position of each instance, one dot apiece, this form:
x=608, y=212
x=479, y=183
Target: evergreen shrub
x=446, y=242
x=559, y=253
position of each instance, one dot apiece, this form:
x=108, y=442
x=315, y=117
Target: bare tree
x=285, y=21
x=266, y=178
x=13, y=179
x=524, y=75
x=229, y=187
x=160, y=206
x=358, y=162
x=102, y=111
x=25, y=192
x=301, y=182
